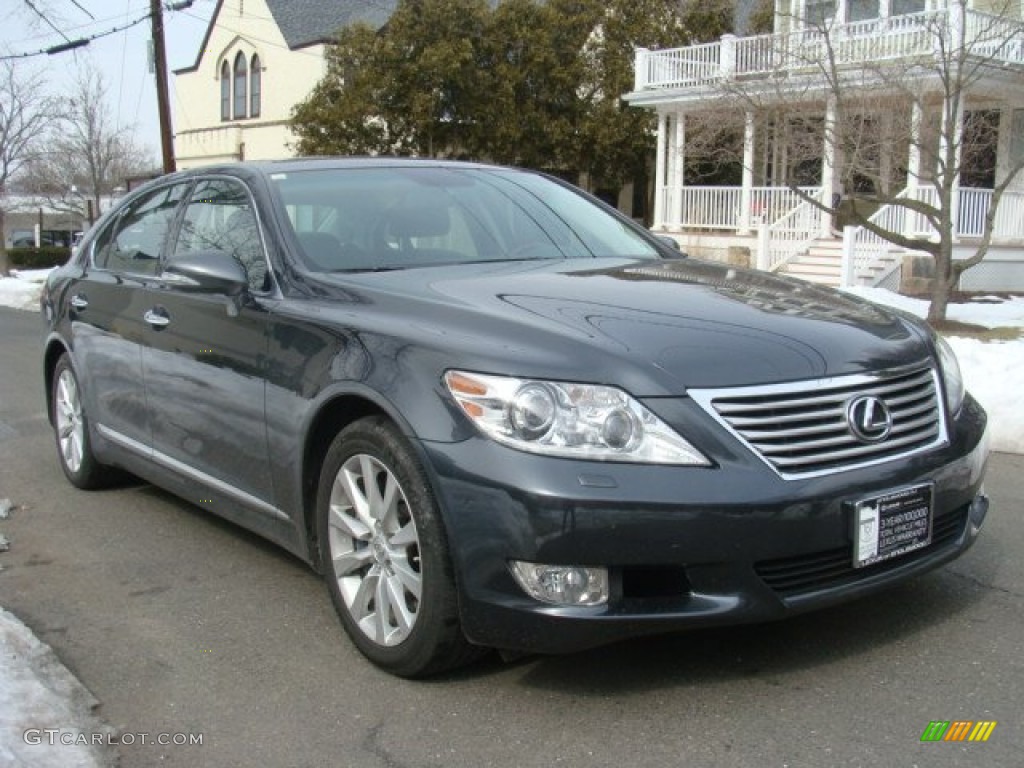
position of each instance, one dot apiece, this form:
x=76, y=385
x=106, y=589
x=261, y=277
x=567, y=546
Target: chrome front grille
x=803, y=428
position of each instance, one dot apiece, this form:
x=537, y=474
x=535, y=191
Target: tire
x=383, y=544
x=71, y=430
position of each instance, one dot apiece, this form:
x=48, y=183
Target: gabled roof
x=309, y=22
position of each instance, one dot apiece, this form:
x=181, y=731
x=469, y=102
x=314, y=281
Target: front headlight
x=951, y=376
x=584, y=421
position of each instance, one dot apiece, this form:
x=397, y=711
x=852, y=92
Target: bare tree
x=87, y=157
x=25, y=113
x=904, y=124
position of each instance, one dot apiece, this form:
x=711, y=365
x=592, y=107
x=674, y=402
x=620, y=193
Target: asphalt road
x=181, y=623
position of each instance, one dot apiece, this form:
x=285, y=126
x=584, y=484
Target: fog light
x=562, y=584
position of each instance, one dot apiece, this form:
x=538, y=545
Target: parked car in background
x=494, y=413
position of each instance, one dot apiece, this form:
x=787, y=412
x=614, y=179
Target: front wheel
x=385, y=551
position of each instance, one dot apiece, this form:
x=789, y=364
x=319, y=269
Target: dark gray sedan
x=497, y=414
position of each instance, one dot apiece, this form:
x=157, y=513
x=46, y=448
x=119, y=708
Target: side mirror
x=672, y=243
x=211, y=272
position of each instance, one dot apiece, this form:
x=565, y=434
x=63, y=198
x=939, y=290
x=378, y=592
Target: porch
x=782, y=234
x=791, y=220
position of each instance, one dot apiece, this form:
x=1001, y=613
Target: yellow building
x=258, y=59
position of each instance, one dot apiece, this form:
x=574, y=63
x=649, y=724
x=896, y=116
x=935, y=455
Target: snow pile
x=38, y=693
x=21, y=290
x=993, y=371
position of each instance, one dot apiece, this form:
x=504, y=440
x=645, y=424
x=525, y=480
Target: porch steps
x=819, y=264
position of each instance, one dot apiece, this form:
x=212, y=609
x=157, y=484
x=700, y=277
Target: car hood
x=655, y=327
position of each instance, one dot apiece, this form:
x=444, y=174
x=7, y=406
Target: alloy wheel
x=70, y=428
x=374, y=550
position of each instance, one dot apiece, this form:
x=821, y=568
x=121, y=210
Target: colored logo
x=958, y=730
x=869, y=419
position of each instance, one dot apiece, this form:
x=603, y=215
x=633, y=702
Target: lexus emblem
x=869, y=418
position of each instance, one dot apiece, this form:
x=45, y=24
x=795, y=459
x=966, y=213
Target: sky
x=122, y=57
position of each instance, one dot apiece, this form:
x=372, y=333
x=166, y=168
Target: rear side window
x=134, y=241
x=220, y=217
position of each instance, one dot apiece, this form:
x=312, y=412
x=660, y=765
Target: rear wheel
x=71, y=429
x=386, y=558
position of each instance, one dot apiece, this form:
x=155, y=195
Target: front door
x=205, y=356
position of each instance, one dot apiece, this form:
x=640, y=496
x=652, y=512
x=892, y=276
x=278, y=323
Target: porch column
x=677, y=159
x=828, y=165
x=659, y=173
x=746, y=193
x=913, y=166
x=885, y=158
x=950, y=160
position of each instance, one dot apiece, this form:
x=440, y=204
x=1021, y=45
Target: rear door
x=107, y=307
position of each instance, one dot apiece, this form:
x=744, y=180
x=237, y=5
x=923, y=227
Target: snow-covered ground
x=37, y=691
x=22, y=290
x=41, y=702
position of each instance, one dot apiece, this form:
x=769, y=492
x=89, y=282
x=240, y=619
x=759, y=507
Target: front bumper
x=685, y=547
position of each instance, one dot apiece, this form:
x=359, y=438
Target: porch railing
x=871, y=251
x=722, y=207
x=892, y=38
x=790, y=236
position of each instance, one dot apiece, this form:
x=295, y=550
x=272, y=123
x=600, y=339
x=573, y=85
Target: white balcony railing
x=721, y=207
x=874, y=40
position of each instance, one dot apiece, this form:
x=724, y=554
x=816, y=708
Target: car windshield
x=359, y=219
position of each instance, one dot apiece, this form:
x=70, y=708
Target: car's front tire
x=71, y=429
x=385, y=553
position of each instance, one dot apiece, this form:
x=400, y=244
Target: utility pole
x=160, y=62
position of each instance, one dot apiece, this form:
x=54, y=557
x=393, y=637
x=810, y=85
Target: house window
x=255, y=87
x=241, y=76
x=225, y=91
x=862, y=10
x=817, y=13
x=901, y=7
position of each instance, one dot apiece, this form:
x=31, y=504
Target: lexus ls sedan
x=495, y=413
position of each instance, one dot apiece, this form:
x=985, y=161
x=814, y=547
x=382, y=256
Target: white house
x=784, y=233
x=258, y=59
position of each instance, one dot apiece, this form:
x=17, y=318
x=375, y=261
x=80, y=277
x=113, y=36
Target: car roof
x=268, y=167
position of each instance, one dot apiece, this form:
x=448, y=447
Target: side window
x=134, y=241
x=219, y=217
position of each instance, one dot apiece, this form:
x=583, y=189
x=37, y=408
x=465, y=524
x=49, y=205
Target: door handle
x=157, y=317
x=78, y=301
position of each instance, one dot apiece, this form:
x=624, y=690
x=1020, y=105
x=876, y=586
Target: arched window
x=225, y=91
x=255, y=87
x=240, y=90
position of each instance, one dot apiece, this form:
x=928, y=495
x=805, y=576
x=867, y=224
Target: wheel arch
x=334, y=414
x=55, y=348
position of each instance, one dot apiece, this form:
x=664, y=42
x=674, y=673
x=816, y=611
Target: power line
x=75, y=43
x=49, y=23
